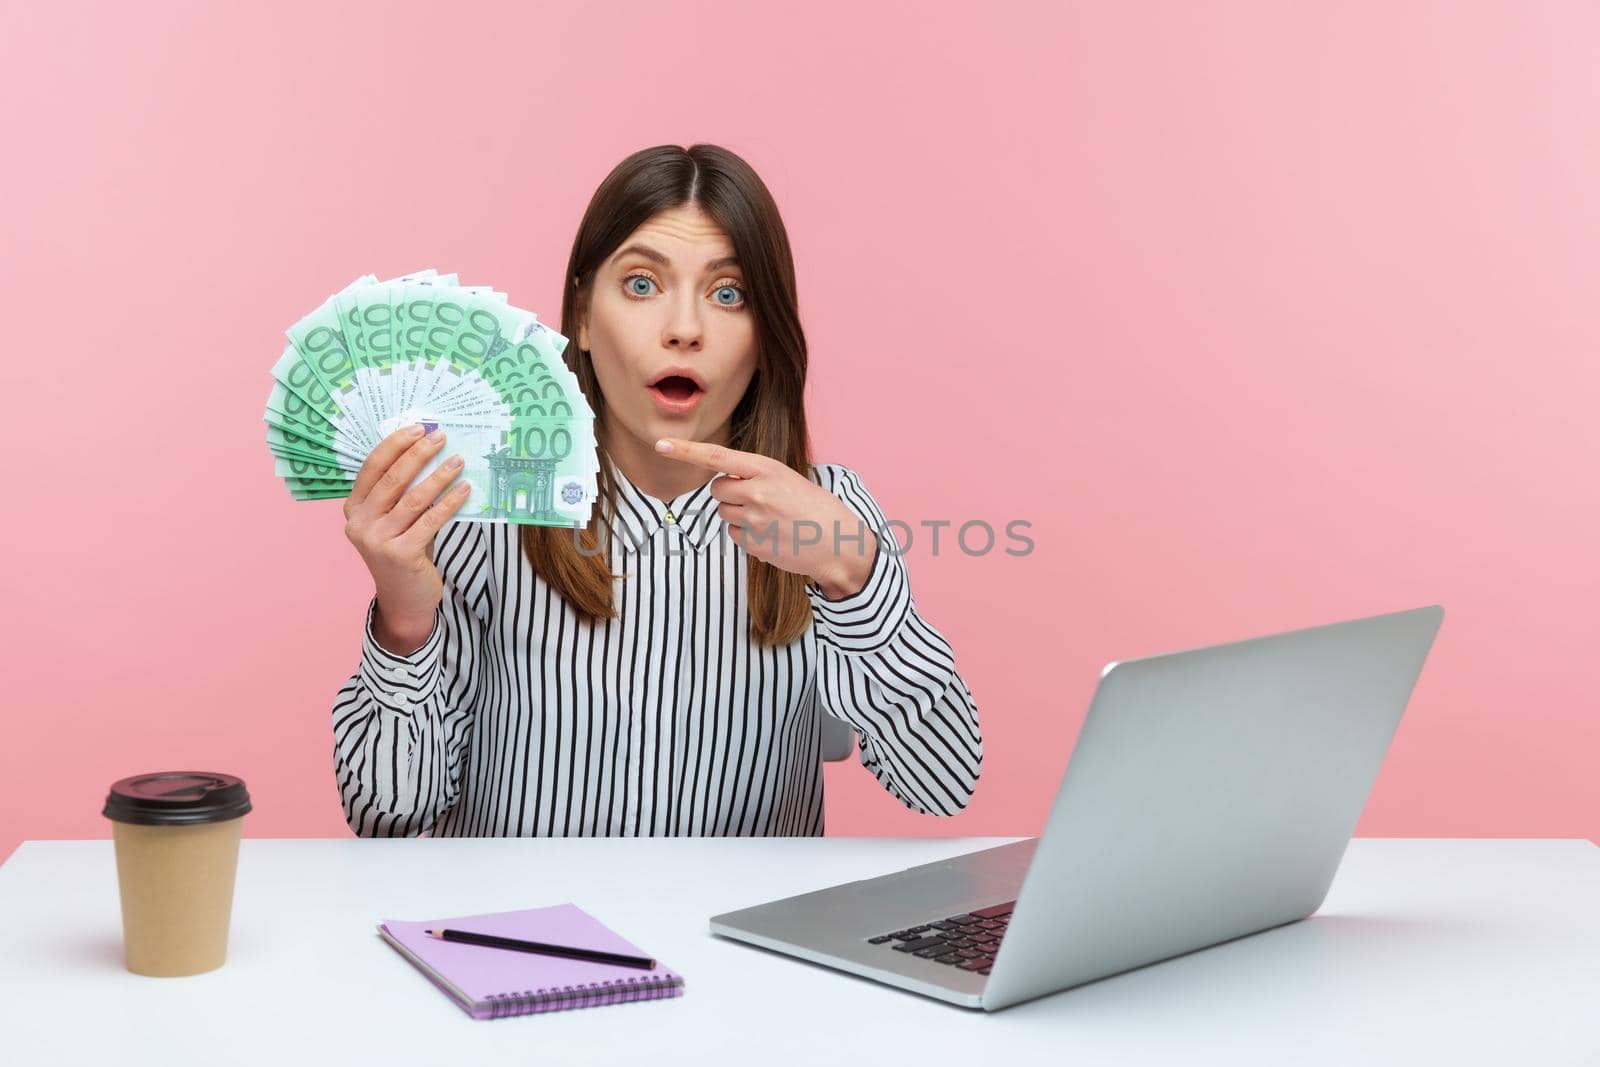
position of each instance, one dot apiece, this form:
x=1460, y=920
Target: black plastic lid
x=177, y=798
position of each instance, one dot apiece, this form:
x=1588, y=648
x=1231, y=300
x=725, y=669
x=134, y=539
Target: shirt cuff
x=399, y=683
x=870, y=617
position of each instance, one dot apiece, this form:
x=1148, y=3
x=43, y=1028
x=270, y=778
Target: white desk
x=1426, y=951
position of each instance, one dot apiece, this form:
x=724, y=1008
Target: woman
x=662, y=671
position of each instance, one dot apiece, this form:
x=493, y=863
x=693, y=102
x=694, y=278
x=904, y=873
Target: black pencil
x=590, y=954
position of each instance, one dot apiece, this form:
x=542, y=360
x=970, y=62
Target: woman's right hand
x=393, y=529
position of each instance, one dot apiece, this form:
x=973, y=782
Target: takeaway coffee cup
x=176, y=836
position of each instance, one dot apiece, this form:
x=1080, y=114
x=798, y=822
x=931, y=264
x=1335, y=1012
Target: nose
x=683, y=332
x=684, y=339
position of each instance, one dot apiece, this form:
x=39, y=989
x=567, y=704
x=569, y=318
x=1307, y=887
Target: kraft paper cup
x=176, y=836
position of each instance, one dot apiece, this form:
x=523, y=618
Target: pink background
x=1263, y=315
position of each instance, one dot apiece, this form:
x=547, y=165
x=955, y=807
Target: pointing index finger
x=712, y=457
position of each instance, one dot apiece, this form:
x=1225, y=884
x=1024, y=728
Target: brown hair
x=770, y=418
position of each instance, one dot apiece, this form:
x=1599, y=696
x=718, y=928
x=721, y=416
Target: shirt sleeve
x=890, y=675
x=401, y=723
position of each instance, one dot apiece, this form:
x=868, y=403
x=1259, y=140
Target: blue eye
x=642, y=286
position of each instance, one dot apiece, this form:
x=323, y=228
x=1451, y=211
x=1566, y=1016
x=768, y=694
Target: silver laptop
x=1211, y=794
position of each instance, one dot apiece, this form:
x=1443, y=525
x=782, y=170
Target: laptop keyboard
x=969, y=941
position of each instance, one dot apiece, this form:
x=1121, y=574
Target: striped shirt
x=517, y=718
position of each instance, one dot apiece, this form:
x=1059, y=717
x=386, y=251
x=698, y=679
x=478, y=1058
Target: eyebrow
x=657, y=257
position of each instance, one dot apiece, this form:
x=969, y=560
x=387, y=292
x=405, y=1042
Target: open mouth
x=676, y=387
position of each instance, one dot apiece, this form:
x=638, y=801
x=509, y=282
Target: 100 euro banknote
x=420, y=348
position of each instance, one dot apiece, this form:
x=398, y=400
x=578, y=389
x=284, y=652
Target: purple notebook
x=490, y=983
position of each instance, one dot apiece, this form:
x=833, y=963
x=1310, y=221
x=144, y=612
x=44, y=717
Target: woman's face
x=670, y=332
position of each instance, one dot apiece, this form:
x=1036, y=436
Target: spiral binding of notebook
x=494, y=983
x=592, y=995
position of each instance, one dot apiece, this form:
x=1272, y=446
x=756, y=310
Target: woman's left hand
x=780, y=516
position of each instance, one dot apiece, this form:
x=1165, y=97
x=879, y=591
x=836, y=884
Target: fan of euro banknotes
x=420, y=348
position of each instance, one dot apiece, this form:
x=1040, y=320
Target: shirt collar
x=638, y=515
